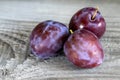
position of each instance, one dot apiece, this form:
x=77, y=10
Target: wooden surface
x=18, y=18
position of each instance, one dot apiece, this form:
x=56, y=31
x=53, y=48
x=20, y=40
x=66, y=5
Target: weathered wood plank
x=18, y=18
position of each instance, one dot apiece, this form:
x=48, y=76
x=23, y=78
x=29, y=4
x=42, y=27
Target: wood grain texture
x=18, y=18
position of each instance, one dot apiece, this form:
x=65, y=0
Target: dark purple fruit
x=47, y=38
x=83, y=49
x=90, y=19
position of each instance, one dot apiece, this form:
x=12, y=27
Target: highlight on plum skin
x=83, y=49
x=47, y=39
x=88, y=18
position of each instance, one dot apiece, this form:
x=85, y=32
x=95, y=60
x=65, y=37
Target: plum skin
x=47, y=39
x=83, y=19
x=83, y=49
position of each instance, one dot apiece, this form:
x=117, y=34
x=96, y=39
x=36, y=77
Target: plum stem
x=71, y=31
x=95, y=13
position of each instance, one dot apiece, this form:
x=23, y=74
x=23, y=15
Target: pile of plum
x=80, y=42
